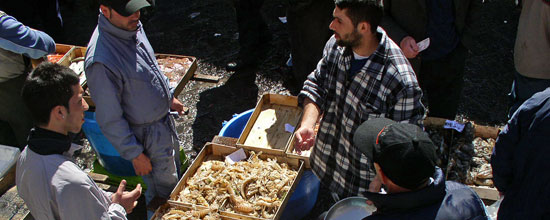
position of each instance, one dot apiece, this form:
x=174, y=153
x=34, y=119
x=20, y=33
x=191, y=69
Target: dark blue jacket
x=439, y=200
x=521, y=161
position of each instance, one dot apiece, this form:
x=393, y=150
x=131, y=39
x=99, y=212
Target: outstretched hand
x=126, y=199
x=305, y=137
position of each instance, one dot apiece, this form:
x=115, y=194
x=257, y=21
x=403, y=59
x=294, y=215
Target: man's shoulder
x=462, y=200
x=54, y=167
x=395, y=56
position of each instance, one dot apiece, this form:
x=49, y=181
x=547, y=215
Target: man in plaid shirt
x=363, y=75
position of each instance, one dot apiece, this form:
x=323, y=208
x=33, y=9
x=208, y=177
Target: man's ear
x=363, y=27
x=380, y=173
x=58, y=113
x=105, y=10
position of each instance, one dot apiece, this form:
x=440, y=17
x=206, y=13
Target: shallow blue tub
x=107, y=155
x=305, y=195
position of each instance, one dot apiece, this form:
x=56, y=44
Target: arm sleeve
x=313, y=86
x=408, y=106
x=502, y=156
x=394, y=30
x=18, y=38
x=85, y=201
x=106, y=90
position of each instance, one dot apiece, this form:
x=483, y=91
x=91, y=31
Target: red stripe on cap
x=379, y=133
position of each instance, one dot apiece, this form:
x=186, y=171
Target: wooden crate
x=213, y=151
x=74, y=53
x=77, y=53
x=164, y=208
x=59, y=49
x=265, y=129
x=186, y=75
x=485, y=192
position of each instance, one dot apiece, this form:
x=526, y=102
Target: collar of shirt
x=379, y=54
x=46, y=142
x=105, y=25
x=401, y=202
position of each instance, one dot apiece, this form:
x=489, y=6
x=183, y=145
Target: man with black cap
x=133, y=97
x=405, y=161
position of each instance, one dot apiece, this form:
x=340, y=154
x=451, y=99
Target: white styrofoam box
x=8, y=157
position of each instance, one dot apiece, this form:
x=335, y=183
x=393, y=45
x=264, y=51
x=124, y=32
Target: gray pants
x=15, y=118
x=162, y=148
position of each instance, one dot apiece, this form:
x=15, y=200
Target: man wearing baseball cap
x=133, y=97
x=405, y=161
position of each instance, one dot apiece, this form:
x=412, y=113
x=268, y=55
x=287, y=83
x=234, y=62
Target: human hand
x=142, y=165
x=126, y=199
x=409, y=47
x=177, y=106
x=375, y=186
x=305, y=137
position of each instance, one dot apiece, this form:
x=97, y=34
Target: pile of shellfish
x=254, y=187
x=462, y=157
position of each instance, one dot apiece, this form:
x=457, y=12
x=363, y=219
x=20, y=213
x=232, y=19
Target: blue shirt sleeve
x=18, y=38
x=105, y=89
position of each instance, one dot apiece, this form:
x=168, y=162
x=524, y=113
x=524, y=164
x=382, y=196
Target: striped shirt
x=386, y=86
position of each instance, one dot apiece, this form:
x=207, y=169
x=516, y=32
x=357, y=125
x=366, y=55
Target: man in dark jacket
x=439, y=68
x=520, y=161
x=404, y=158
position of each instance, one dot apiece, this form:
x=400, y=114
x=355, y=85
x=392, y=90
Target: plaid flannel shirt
x=386, y=86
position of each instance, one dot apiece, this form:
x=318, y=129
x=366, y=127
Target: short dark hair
x=47, y=86
x=369, y=11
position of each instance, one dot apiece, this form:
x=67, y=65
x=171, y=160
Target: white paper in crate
x=8, y=157
x=236, y=156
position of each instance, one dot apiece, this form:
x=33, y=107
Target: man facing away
x=520, y=161
x=362, y=75
x=405, y=158
x=133, y=97
x=50, y=183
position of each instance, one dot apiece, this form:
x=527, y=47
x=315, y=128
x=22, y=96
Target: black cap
x=404, y=152
x=125, y=7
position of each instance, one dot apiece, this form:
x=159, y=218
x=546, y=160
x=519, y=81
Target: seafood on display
x=481, y=172
x=176, y=214
x=174, y=68
x=54, y=58
x=77, y=65
x=254, y=187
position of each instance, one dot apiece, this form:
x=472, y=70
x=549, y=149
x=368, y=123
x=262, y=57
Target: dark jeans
x=15, y=118
x=253, y=31
x=308, y=22
x=523, y=88
x=442, y=79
